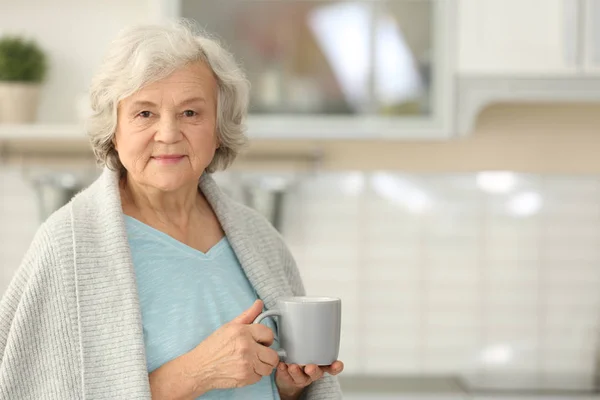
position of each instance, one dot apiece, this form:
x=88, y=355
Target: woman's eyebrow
x=191, y=100
x=142, y=103
x=148, y=103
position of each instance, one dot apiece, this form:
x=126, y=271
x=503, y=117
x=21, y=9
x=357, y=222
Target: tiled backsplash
x=472, y=273
x=447, y=273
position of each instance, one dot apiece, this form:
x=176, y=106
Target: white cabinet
x=534, y=51
x=326, y=69
x=519, y=37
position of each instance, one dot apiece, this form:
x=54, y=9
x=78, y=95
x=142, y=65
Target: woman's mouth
x=168, y=159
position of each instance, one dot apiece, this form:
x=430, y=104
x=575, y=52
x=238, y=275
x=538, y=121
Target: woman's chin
x=172, y=181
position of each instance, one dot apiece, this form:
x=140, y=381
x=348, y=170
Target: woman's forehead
x=194, y=83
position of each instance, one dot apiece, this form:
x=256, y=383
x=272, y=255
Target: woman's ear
x=114, y=142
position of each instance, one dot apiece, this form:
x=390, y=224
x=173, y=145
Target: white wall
x=75, y=34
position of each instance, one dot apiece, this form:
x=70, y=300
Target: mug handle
x=266, y=314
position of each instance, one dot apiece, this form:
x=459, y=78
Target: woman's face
x=166, y=133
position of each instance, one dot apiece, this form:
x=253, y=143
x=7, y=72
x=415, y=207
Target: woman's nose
x=168, y=130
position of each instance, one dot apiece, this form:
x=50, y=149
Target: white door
x=518, y=37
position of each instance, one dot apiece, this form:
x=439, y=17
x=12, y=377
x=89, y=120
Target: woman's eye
x=190, y=113
x=145, y=114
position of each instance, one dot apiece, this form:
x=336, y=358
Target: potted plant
x=23, y=67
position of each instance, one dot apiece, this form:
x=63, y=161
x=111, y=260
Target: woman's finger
x=282, y=369
x=268, y=356
x=334, y=368
x=262, y=369
x=262, y=334
x=299, y=377
x=314, y=372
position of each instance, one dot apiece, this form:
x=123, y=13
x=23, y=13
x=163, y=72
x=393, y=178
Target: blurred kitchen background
x=434, y=163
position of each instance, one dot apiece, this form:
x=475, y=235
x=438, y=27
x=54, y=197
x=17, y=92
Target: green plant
x=21, y=60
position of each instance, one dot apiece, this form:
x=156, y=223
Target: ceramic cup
x=308, y=329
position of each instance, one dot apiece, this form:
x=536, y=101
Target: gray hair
x=144, y=54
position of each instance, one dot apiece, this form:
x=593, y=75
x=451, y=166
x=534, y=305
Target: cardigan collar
x=102, y=259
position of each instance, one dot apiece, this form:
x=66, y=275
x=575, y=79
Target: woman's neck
x=174, y=208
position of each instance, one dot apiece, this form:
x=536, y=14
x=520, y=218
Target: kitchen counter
x=444, y=388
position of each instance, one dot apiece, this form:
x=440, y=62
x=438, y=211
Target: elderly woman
x=146, y=284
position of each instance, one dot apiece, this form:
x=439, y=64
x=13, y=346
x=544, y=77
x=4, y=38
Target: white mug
x=309, y=329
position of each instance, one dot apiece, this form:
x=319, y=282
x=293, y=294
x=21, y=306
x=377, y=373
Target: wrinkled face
x=166, y=133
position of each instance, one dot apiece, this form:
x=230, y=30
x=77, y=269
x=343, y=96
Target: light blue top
x=185, y=295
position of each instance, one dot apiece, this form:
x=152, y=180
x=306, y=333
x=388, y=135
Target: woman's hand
x=292, y=379
x=237, y=354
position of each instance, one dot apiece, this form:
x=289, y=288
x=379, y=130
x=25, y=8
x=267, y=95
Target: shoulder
x=84, y=205
x=252, y=218
x=36, y=277
x=255, y=231
x=50, y=246
x=38, y=306
x=254, y=222
x=270, y=242
x=43, y=251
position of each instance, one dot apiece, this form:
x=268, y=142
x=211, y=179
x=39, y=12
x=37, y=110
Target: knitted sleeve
x=36, y=331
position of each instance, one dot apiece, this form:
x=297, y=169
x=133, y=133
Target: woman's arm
x=40, y=252
x=36, y=332
x=175, y=381
x=234, y=356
